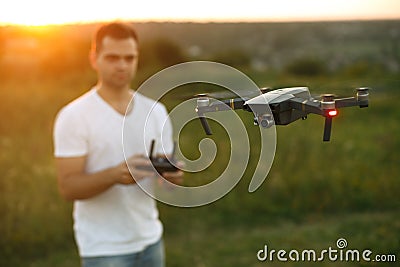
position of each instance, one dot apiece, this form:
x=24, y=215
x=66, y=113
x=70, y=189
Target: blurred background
x=315, y=192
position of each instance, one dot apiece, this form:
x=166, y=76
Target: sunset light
x=44, y=12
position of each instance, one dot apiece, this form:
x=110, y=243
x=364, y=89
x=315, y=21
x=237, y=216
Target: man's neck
x=114, y=95
x=118, y=98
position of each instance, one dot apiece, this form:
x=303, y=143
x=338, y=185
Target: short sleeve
x=70, y=135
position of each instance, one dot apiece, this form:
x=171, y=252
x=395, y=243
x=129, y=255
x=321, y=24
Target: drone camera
x=266, y=121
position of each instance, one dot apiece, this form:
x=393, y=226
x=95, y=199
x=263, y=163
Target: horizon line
x=206, y=21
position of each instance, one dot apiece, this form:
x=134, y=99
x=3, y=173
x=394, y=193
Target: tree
x=160, y=52
x=306, y=66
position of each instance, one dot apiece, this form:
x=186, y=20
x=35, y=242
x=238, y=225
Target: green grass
x=193, y=238
x=315, y=192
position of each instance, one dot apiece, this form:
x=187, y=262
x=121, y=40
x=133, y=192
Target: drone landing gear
x=327, y=129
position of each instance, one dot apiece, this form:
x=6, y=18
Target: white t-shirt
x=123, y=219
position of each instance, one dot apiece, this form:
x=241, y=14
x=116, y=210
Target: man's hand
x=174, y=177
x=131, y=175
x=128, y=173
x=74, y=183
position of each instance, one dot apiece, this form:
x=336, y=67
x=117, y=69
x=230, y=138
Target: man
x=115, y=222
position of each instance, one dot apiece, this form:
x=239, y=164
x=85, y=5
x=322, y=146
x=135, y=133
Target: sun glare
x=48, y=12
x=45, y=12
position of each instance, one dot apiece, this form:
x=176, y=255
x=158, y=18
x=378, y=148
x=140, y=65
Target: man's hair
x=115, y=30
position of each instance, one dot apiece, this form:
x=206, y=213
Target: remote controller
x=161, y=164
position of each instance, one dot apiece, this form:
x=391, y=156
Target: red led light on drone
x=332, y=113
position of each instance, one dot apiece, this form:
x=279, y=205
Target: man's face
x=116, y=62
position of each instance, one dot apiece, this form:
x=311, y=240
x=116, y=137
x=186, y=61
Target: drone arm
x=305, y=105
x=224, y=105
x=235, y=103
x=228, y=104
x=310, y=106
x=360, y=99
x=350, y=102
x=346, y=102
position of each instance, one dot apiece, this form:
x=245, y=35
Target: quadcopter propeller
x=319, y=97
x=224, y=94
x=344, y=92
x=217, y=95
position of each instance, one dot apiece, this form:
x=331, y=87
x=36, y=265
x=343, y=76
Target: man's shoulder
x=81, y=103
x=78, y=107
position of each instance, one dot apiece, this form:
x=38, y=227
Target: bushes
x=306, y=66
x=160, y=52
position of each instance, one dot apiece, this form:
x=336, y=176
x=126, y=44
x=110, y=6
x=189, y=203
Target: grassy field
x=315, y=192
x=237, y=244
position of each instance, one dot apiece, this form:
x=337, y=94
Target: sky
x=44, y=12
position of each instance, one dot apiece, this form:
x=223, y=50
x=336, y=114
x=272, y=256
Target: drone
x=282, y=106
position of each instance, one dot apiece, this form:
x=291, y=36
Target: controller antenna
x=151, y=149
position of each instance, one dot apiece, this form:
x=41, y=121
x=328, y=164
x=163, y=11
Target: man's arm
x=74, y=183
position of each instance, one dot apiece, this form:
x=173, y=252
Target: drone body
x=283, y=106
